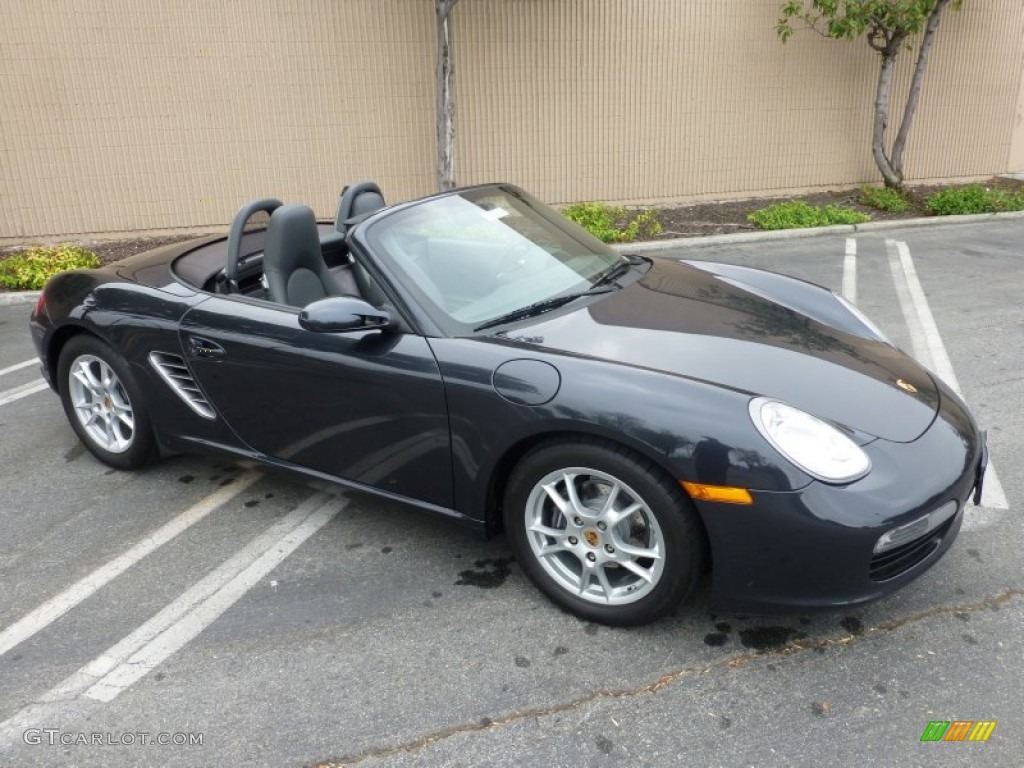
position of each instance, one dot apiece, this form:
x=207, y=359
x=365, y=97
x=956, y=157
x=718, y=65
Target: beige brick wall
x=664, y=99
x=133, y=114
x=1016, y=162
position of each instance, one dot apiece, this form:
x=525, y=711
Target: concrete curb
x=787, y=234
x=973, y=218
x=737, y=238
x=18, y=297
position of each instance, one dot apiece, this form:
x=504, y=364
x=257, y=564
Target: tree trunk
x=445, y=97
x=915, y=86
x=892, y=177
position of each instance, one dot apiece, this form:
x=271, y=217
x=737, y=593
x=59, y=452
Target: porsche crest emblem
x=906, y=386
x=591, y=537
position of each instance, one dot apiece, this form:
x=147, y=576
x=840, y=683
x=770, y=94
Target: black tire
x=677, y=524
x=140, y=446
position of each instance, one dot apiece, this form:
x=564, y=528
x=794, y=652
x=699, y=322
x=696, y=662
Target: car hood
x=685, y=321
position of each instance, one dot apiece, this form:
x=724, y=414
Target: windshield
x=483, y=253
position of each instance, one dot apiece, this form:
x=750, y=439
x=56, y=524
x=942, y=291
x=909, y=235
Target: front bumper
x=791, y=552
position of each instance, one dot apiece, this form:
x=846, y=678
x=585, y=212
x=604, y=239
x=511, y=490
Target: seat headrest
x=292, y=229
x=357, y=199
x=366, y=202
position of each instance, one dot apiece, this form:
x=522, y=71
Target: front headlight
x=818, y=448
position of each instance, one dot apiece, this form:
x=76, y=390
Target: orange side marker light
x=723, y=493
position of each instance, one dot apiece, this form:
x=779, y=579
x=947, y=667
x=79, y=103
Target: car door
x=366, y=406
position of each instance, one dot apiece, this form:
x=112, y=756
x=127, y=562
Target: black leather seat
x=292, y=263
x=357, y=200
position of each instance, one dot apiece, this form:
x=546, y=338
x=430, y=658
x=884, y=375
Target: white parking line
x=16, y=393
x=899, y=281
x=110, y=673
x=19, y=366
x=57, y=606
x=849, y=288
x=227, y=584
x=931, y=352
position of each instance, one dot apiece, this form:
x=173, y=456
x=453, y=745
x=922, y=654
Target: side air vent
x=173, y=370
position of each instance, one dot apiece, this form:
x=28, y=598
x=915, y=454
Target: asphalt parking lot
x=284, y=625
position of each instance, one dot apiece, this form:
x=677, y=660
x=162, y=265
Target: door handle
x=201, y=347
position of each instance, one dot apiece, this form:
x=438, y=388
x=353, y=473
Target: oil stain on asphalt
x=720, y=636
x=486, y=574
x=757, y=638
x=852, y=625
x=770, y=638
x=766, y=638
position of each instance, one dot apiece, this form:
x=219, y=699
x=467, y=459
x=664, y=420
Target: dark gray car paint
x=665, y=366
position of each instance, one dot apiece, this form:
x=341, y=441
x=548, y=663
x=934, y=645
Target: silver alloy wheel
x=595, y=536
x=101, y=403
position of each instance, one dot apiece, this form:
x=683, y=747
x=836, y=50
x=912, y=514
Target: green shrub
x=796, y=214
x=951, y=202
x=1007, y=201
x=613, y=225
x=837, y=214
x=884, y=199
x=974, y=199
x=29, y=270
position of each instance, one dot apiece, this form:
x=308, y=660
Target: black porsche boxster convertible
x=627, y=421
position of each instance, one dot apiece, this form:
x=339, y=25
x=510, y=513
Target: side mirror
x=342, y=313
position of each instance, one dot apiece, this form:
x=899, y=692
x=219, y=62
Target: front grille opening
x=890, y=564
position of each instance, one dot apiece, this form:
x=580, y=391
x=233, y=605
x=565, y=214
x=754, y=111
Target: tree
x=889, y=27
x=445, y=96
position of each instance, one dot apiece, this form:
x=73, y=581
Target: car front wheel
x=602, y=532
x=103, y=403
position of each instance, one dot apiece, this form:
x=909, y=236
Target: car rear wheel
x=104, y=404
x=603, y=532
